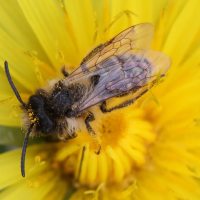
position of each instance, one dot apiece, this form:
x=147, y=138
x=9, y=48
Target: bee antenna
x=24, y=150
x=12, y=84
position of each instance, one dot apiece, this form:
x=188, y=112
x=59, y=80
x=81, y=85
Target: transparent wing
x=127, y=72
x=136, y=37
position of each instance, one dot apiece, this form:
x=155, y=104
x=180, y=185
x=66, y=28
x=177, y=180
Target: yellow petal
x=47, y=21
x=83, y=24
x=17, y=191
x=10, y=166
x=181, y=37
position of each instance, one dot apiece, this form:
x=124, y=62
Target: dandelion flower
x=151, y=149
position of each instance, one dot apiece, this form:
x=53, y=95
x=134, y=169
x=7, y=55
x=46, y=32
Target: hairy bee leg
x=64, y=72
x=122, y=105
x=61, y=128
x=91, y=53
x=124, y=94
x=89, y=118
x=91, y=132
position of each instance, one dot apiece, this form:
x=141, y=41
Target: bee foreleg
x=122, y=105
x=89, y=118
x=91, y=132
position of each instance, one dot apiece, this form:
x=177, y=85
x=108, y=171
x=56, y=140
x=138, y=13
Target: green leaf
x=14, y=136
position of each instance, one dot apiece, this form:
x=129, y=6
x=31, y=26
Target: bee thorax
x=48, y=109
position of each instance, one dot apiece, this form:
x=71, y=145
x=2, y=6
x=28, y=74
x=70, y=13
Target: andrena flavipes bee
x=122, y=66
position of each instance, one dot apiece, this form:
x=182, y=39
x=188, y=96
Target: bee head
x=36, y=111
x=37, y=114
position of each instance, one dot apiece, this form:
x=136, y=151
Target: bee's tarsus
x=12, y=84
x=90, y=118
x=90, y=130
x=24, y=150
x=98, y=152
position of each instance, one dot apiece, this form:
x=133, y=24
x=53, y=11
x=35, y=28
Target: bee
x=123, y=65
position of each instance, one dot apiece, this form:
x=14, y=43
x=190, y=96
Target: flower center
x=124, y=135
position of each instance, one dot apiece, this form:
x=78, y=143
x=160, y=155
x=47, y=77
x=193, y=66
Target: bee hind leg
x=91, y=132
x=104, y=108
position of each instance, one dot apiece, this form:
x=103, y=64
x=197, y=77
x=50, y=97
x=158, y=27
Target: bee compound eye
x=45, y=123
